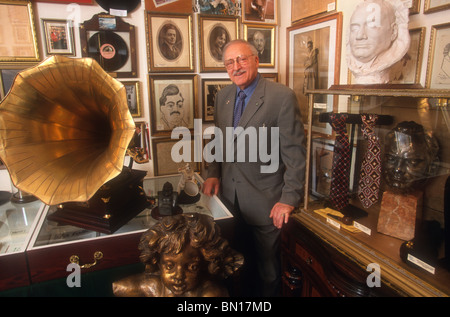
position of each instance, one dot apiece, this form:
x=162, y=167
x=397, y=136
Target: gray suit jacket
x=271, y=105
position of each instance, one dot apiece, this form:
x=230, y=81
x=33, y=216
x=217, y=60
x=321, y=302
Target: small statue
x=411, y=156
x=167, y=202
x=184, y=255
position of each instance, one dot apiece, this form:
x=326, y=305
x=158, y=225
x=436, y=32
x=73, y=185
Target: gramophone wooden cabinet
x=52, y=246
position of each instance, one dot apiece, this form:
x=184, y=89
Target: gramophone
x=65, y=129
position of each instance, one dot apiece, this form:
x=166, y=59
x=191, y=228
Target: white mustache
x=238, y=73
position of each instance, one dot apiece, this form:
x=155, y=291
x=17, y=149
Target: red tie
x=341, y=162
x=369, y=179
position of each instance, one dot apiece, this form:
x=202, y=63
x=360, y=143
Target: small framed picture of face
x=263, y=38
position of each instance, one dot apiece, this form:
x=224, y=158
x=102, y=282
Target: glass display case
x=406, y=237
x=17, y=222
x=53, y=244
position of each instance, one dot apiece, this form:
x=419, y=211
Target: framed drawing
x=163, y=161
x=224, y=7
x=133, y=98
x=210, y=87
x=436, y=5
x=112, y=43
x=58, y=37
x=438, y=68
x=169, y=42
x=260, y=11
x=407, y=70
x=313, y=59
x=263, y=38
x=304, y=9
x=173, y=102
x=214, y=33
x=19, y=43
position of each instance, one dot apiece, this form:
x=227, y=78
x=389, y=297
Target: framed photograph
x=178, y=6
x=173, y=102
x=407, y=70
x=313, y=58
x=134, y=98
x=19, y=43
x=222, y=7
x=436, y=5
x=214, y=33
x=414, y=8
x=321, y=168
x=169, y=42
x=162, y=156
x=304, y=9
x=58, y=37
x=210, y=87
x=260, y=11
x=111, y=42
x=263, y=38
x=438, y=68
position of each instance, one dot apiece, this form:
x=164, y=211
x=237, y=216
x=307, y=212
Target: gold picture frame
x=133, y=91
x=438, y=67
x=161, y=57
x=435, y=6
x=304, y=9
x=58, y=37
x=19, y=41
x=260, y=11
x=263, y=38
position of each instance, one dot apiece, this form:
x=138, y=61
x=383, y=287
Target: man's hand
x=280, y=214
x=211, y=186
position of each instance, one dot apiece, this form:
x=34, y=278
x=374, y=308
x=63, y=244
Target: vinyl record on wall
x=128, y=5
x=108, y=49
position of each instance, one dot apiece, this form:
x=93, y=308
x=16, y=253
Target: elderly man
x=262, y=202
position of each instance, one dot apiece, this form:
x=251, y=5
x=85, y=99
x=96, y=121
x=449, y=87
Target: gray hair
x=240, y=41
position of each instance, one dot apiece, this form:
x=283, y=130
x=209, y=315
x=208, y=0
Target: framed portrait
x=263, y=38
x=178, y=6
x=111, y=42
x=19, y=45
x=260, y=11
x=270, y=76
x=58, y=37
x=438, y=68
x=436, y=5
x=407, y=70
x=169, y=42
x=223, y=7
x=210, y=88
x=134, y=98
x=214, y=33
x=173, y=102
x=163, y=162
x=304, y=9
x=313, y=58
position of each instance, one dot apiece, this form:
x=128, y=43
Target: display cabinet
x=17, y=221
x=54, y=246
x=331, y=251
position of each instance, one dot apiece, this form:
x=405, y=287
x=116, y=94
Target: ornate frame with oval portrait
x=214, y=30
x=180, y=56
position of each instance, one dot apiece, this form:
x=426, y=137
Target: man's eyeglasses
x=241, y=60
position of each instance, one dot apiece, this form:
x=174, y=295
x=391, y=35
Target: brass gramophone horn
x=64, y=129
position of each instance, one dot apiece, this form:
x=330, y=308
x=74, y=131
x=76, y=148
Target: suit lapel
x=255, y=102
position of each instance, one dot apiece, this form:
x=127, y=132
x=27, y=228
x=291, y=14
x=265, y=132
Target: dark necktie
x=238, y=108
x=341, y=162
x=369, y=179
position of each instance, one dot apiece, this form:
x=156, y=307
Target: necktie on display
x=341, y=162
x=238, y=108
x=369, y=179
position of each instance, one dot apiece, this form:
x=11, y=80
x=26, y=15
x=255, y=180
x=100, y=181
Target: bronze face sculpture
x=184, y=255
x=410, y=156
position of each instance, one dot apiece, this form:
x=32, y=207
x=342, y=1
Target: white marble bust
x=377, y=39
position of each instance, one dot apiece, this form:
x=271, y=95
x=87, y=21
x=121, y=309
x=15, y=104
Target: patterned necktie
x=369, y=179
x=341, y=162
x=238, y=108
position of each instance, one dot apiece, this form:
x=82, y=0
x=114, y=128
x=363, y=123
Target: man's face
x=173, y=109
x=259, y=42
x=171, y=36
x=371, y=32
x=242, y=74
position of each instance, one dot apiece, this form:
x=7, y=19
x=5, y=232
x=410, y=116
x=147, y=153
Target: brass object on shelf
x=65, y=129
